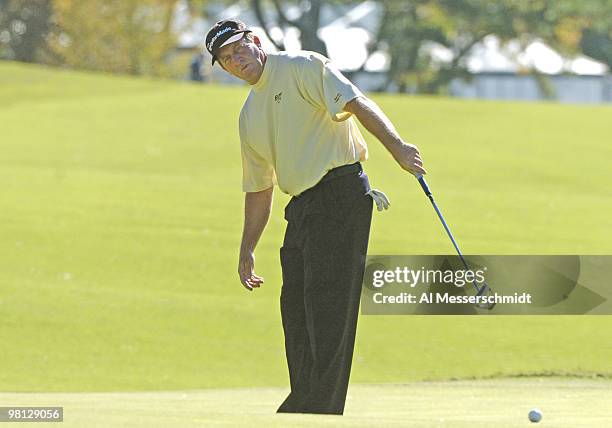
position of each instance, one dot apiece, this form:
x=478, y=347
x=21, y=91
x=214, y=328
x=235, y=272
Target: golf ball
x=535, y=415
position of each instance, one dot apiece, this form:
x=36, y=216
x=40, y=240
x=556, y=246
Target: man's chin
x=246, y=76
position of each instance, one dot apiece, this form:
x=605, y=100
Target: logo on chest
x=277, y=97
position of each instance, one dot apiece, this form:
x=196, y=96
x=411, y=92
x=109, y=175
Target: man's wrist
x=394, y=145
x=246, y=251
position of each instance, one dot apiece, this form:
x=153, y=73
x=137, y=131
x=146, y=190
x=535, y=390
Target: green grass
x=502, y=403
x=121, y=213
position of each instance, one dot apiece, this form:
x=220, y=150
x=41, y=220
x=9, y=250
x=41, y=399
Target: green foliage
x=597, y=45
x=133, y=36
x=459, y=24
x=121, y=36
x=24, y=26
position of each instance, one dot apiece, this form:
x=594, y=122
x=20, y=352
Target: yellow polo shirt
x=292, y=126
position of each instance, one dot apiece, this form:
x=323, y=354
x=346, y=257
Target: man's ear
x=257, y=41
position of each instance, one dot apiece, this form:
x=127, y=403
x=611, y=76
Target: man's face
x=243, y=59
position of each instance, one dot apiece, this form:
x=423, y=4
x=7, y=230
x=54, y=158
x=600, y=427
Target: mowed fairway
x=120, y=221
x=502, y=403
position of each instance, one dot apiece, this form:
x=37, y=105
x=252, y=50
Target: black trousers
x=322, y=259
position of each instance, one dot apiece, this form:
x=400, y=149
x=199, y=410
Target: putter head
x=485, y=290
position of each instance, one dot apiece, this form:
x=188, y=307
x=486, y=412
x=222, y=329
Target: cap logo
x=219, y=33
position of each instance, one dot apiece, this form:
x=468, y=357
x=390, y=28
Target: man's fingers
x=418, y=169
x=248, y=278
x=412, y=160
x=256, y=278
x=245, y=279
x=251, y=282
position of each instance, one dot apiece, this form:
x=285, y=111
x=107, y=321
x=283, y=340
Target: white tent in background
x=491, y=55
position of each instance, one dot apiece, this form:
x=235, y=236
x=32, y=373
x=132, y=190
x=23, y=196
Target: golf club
x=479, y=290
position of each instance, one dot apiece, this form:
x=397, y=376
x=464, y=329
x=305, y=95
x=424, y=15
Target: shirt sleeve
x=257, y=173
x=325, y=87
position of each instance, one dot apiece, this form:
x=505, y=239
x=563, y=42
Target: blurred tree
x=586, y=26
x=408, y=26
x=598, y=45
x=308, y=22
x=121, y=36
x=209, y=9
x=202, y=7
x=463, y=24
x=274, y=13
x=24, y=26
x=403, y=31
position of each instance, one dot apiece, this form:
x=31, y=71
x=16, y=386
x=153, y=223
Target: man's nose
x=236, y=60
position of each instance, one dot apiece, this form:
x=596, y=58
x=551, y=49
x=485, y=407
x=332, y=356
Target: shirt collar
x=265, y=75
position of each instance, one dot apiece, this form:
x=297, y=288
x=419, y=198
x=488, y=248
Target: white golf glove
x=382, y=202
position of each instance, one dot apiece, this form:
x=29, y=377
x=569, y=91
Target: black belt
x=341, y=171
x=335, y=173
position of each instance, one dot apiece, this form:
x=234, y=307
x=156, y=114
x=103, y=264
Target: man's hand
x=248, y=278
x=409, y=158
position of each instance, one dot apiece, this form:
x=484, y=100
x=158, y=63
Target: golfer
x=297, y=131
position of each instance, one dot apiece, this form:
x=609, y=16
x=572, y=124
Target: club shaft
x=450, y=235
x=425, y=188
